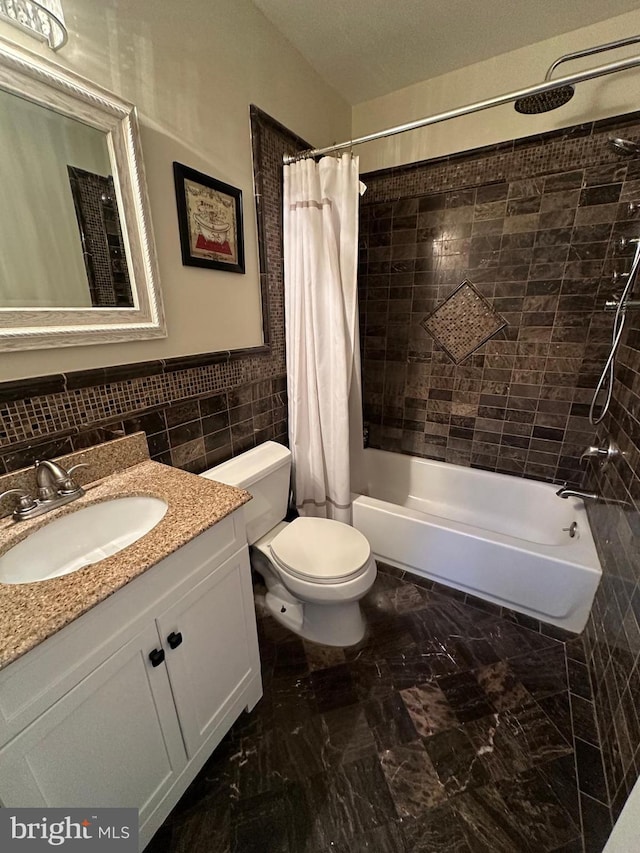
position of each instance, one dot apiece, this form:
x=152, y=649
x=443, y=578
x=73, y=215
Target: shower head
x=544, y=102
x=624, y=146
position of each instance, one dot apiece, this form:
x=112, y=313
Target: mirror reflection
x=61, y=242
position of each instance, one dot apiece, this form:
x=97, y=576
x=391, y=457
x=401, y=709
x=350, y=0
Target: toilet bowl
x=316, y=570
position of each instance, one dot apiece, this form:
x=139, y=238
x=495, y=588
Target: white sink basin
x=80, y=538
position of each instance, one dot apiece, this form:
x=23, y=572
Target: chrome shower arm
x=499, y=100
x=590, y=51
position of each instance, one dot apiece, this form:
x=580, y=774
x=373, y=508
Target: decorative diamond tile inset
x=463, y=322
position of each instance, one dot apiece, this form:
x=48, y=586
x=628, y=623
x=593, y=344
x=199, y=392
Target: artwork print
x=210, y=221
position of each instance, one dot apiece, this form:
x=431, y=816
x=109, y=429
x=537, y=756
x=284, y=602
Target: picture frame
x=209, y=220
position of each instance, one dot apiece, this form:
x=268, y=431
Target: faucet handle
x=607, y=452
x=25, y=501
x=75, y=467
x=592, y=450
x=70, y=487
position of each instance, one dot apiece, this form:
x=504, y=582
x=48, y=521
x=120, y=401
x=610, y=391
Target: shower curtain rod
x=547, y=86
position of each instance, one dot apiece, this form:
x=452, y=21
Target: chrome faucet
x=606, y=453
x=567, y=492
x=56, y=487
x=54, y=481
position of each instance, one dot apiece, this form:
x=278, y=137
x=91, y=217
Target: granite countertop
x=31, y=612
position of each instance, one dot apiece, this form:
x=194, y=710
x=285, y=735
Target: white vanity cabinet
x=114, y=740
x=212, y=664
x=140, y=689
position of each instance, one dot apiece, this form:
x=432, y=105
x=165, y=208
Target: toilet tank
x=265, y=471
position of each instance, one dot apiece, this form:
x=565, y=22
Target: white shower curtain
x=321, y=314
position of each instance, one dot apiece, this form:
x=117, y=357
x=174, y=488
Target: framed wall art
x=210, y=221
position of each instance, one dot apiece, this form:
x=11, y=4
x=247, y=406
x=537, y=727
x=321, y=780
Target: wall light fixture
x=43, y=19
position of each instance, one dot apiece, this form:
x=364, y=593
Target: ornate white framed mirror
x=77, y=257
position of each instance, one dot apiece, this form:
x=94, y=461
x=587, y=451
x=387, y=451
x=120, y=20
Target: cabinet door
x=217, y=655
x=114, y=740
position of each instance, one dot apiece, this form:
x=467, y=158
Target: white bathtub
x=492, y=535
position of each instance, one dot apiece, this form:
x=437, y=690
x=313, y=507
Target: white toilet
x=316, y=570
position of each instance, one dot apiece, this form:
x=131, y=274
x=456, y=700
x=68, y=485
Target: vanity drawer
x=43, y=675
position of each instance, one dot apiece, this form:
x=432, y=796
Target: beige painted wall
x=595, y=99
x=192, y=68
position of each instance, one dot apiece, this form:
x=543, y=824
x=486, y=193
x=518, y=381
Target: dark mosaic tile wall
x=534, y=226
x=193, y=434
x=197, y=410
x=94, y=198
x=612, y=636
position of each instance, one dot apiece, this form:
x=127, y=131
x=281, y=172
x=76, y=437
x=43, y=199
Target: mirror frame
x=38, y=80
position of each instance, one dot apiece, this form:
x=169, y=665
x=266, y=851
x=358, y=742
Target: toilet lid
x=320, y=549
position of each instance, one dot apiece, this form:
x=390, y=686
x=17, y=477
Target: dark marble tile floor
x=447, y=730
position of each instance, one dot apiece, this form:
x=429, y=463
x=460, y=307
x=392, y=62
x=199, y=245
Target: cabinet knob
x=174, y=639
x=156, y=657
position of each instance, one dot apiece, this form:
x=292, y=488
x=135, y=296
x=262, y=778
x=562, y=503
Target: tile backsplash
x=192, y=432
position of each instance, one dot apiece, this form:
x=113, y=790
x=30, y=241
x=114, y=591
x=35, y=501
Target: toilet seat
x=320, y=550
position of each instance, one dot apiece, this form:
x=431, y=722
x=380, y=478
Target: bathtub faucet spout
x=567, y=492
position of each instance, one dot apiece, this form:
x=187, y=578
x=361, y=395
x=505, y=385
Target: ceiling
x=367, y=48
